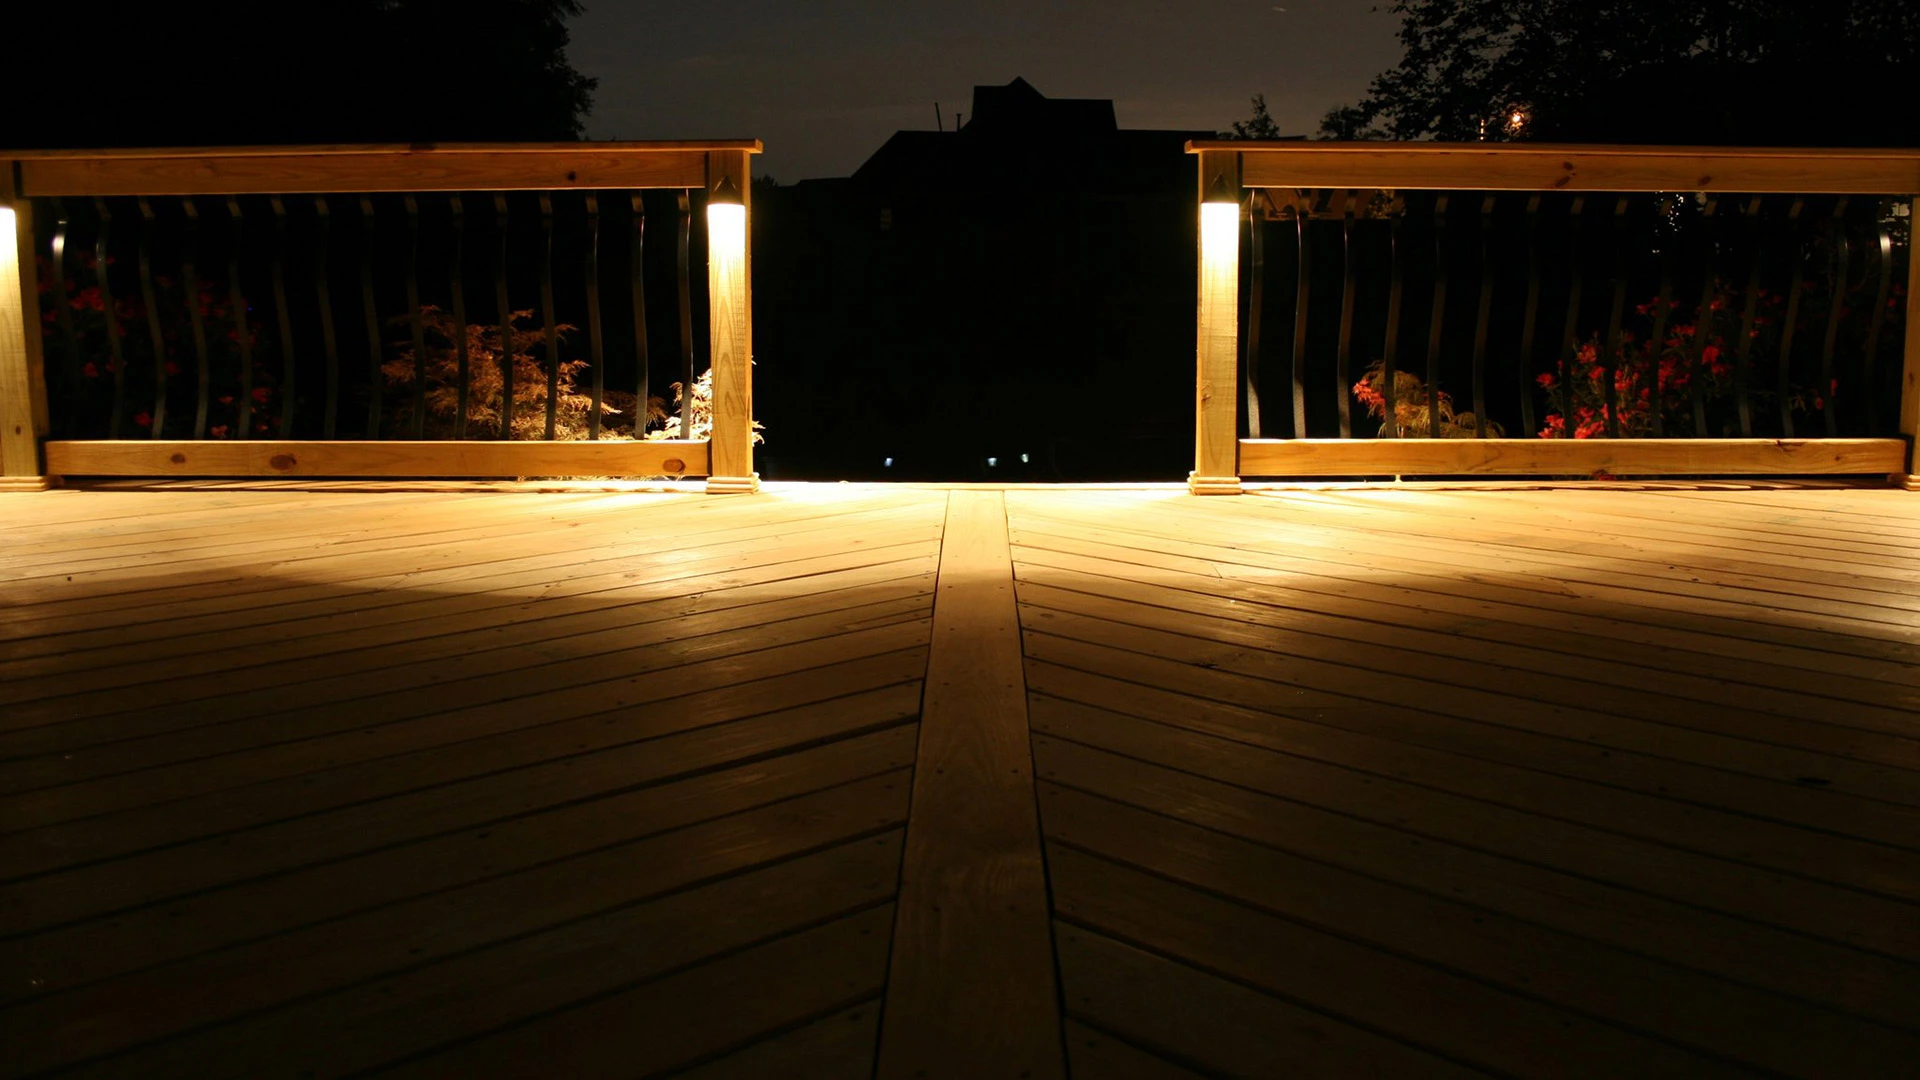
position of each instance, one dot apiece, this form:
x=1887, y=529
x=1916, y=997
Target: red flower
x=89, y=370
x=218, y=431
x=142, y=420
x=1546, y=380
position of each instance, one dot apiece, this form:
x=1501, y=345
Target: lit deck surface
x=462, y=781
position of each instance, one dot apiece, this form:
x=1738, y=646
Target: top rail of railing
x=261, y=170
x=1548, y=167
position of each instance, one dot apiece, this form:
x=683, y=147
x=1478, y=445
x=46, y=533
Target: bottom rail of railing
x=386, y=459
x=1572, y=457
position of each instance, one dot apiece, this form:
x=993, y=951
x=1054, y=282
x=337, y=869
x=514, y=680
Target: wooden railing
x=304, y=311
x=1535, y=316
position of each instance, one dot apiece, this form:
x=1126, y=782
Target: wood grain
x=1534, y=167
x=971, y=991
x=730, y=322
x=1217, y=389
x=1561, y=457
x=155, y=457
x=277, y=170
x=23, y=392
x=1910, y=378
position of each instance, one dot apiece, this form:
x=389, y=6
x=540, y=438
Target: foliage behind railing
x=312, y=296
x=1745, y=301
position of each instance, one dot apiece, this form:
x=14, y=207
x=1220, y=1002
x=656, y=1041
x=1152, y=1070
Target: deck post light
x=730, y=444
x=1216, y=428
x=23, y=399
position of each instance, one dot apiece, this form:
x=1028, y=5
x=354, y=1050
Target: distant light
x=992, y=462
x=888, y=463
x=1024, y=459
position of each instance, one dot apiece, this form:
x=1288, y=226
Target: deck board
x=556, y=779
x=1491, y=774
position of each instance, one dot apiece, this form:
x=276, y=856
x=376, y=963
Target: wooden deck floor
x=847, y=780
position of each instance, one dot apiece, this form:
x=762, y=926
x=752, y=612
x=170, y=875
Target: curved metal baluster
x=637, y=273
x=506, y=318
x=1743, y=354
x=594, y=342
x=456, y=285
x=683, y=238
x=1436, y=323
x=1343, y=358
x=1389, y=371
x=1483, y=319
x=191, y=282
x=1530, y=323
x=1662, y=308
x=418, y=328
x=1256, y=271
x=547, y=320
x=1842, y=260
x=1704, y=323
x=323, y=290
x=63, y=306
x=1610, y=361
x=376, y=385
x=1883, y=252
x=1787, y=329
x=115, y=351
x=148, y=298
x=286, y=317
x=242, y=330
x=1569, y=343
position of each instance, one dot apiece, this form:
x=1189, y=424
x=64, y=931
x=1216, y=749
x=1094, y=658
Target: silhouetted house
x=1020, y=286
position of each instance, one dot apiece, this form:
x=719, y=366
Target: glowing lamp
x=1220, y=218
x=726, y=219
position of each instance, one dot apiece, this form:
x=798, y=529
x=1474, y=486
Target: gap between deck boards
x=971, y=990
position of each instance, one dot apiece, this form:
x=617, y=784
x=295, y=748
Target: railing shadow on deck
x=447, y=785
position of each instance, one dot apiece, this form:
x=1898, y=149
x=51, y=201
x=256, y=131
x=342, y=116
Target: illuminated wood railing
x=1313, y=190
x=354, y=404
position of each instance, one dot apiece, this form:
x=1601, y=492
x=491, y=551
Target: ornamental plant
x=92, y=351
x=1660, y=377
x=486, y=384
x=1414, y=406
x=702, y=426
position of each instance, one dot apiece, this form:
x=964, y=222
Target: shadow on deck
x=1408, y=781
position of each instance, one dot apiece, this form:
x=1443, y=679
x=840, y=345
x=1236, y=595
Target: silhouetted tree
x=213, y=72
x=1259, y=126
x=1660, y=71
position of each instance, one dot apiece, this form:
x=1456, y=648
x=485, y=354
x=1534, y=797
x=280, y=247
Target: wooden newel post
x=1910, y=370
x=730, y=317
x=1216, y=458
x=23, y=391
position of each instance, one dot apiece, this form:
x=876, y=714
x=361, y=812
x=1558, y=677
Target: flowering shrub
x=1413, y=407
x=1658, y=377
x=91, y=323
x=486, y=384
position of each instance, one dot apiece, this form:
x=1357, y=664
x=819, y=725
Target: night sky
x=824, y=82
